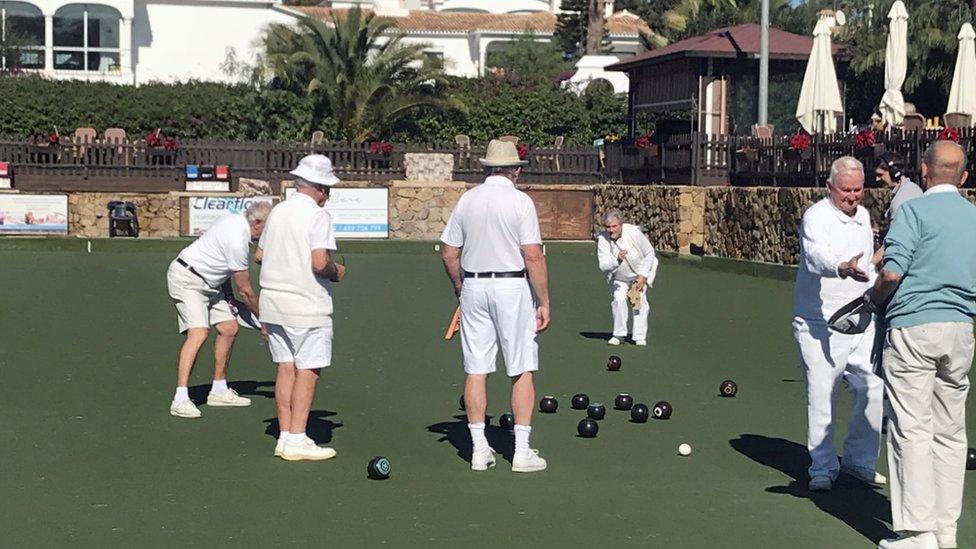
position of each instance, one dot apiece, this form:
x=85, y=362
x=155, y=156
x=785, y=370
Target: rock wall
x=653, y=207
x=419, y=211
x=159, y=214
x=428, y=166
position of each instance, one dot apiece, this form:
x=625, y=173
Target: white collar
x=498, y=180
x=943, y=188
x=843, y=216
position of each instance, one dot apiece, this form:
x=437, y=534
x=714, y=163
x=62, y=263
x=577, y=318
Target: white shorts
x=197, y=304
x=498, y=311
x=308, y=348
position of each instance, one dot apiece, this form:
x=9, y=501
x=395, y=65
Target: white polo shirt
x=221, y=250
x=490, y=223
x=829, y=237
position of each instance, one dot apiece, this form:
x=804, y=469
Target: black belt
x=191, y=269
x=505, y=274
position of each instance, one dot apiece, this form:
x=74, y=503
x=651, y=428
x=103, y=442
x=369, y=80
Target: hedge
x=481, y=108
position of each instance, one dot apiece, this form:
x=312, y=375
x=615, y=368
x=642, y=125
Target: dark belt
x=505, y=274
x=191, y=269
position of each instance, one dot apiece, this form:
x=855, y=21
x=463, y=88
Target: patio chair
x=116, y=136
x=463, y=142
x=958, y=120
x=82, y=136
x=510, y=138
x=912, y=122
x=557, y=145
x=318, y=137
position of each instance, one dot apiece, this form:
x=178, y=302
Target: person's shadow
x=318, y=428
x=859, y=505
x=456, y=432
x=198, y=393
x=597, y=335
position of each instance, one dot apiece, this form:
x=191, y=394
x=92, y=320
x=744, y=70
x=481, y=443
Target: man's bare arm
x=535, y=264
x=451, y=256
x=242, y=279
x=322, y=265
x=886, y=285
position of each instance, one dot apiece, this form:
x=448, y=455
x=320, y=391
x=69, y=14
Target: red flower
x=864, y=139
x=644, y=141
x=949, y=133
x=380, y=147
x=171, y=144
x=522, y=150
x=54, y=138
x=800, y=142
x=153, y=139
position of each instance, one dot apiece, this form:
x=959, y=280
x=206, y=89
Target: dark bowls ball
x=587, y=428
x=639, y=413
x=623, y=401
x=614, y=363
x=728, y=388
x=662, y=410
x=378, y=468
x=596, y=411
x=971, y=459
x=506, y=421
x=548, y=404
x=580, y=401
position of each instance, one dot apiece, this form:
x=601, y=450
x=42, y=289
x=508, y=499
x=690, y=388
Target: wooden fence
x=132, y=165
x=699, y=159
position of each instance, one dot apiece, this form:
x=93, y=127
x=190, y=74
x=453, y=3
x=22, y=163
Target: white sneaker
x=920, y=540
x=641, y=343
x=184, y=408
x=528, y=461
x=865, y=475
x=483, y=460
x=279, y=447
x=821, y=483
x=227, y=398
x=613, y=341
x=306, y=450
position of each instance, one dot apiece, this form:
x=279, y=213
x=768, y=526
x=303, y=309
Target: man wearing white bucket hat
x=194, y=281
x=491, y=243
x=297, y=272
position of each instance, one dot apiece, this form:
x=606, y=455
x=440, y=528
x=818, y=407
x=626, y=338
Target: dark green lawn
x=91, y=457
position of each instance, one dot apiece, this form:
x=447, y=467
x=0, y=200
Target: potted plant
x=645, y=145
x=378, y=156
x=798, y=151
x=160, y=148
x=44, y=147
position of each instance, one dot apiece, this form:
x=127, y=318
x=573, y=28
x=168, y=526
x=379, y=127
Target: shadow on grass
x=456, y=432
x=857, y=504
x=198, y=393
x=597, y=335
x=318, y=429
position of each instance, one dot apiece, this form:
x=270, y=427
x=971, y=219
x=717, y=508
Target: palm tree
x=356, y=70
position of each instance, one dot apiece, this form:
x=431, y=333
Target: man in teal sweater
x=930, y=275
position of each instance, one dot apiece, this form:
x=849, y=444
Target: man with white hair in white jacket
x=627, y=259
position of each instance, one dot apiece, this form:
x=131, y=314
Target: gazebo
x=714, y=77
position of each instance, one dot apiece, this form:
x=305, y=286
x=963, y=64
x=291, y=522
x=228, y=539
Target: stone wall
x=159, y=214
x=419, y=211
x=428, y=166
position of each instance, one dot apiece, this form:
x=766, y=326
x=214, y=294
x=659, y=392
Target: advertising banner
x=358, y=213
x=33, y=214
x=205, y=210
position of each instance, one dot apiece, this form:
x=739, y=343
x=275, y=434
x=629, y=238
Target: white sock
x=478, y=436
x=283, y=436
x=522, y=438
x=182, y=393
x=218, y=386
x=295, y=438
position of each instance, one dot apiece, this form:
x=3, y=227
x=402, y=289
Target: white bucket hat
x=317, y=169
x=500, y=154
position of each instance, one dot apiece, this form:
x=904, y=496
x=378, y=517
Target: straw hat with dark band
x=501, y=154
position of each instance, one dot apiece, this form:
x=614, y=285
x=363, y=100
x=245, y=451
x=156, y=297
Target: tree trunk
x=594, y=27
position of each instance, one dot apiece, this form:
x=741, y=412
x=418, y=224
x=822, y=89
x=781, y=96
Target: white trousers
x=926, y=373
x=620, y=308
x=498, y=312
x=826, y=358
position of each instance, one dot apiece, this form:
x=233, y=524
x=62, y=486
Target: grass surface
x=91, y=456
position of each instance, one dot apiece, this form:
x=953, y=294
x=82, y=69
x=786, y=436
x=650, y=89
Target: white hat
x=500, y=154
x=317, y=169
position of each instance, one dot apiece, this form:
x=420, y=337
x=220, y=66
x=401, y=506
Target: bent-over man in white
x=194, y=281
x=491, y=244
x=297, y=272
x=626, y=257
x=836, y=243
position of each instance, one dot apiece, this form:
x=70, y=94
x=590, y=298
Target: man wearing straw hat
x=627, y=258
x=492, y=243
x=297, y=272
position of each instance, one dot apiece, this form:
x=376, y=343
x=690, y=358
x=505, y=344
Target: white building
x=139, y=41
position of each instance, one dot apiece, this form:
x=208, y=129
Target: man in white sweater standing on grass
x=297, y=272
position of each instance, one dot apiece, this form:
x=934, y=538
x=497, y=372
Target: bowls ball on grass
x=623, y=402
x=587, y=428
x=378, y=468
x=662, y=410
x=614, y=363
x=580, y=401
x=548, y=404
x=728, y=388
x=596, y=411
x=639, y=413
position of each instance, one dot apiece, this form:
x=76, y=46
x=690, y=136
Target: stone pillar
x=691, y=219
